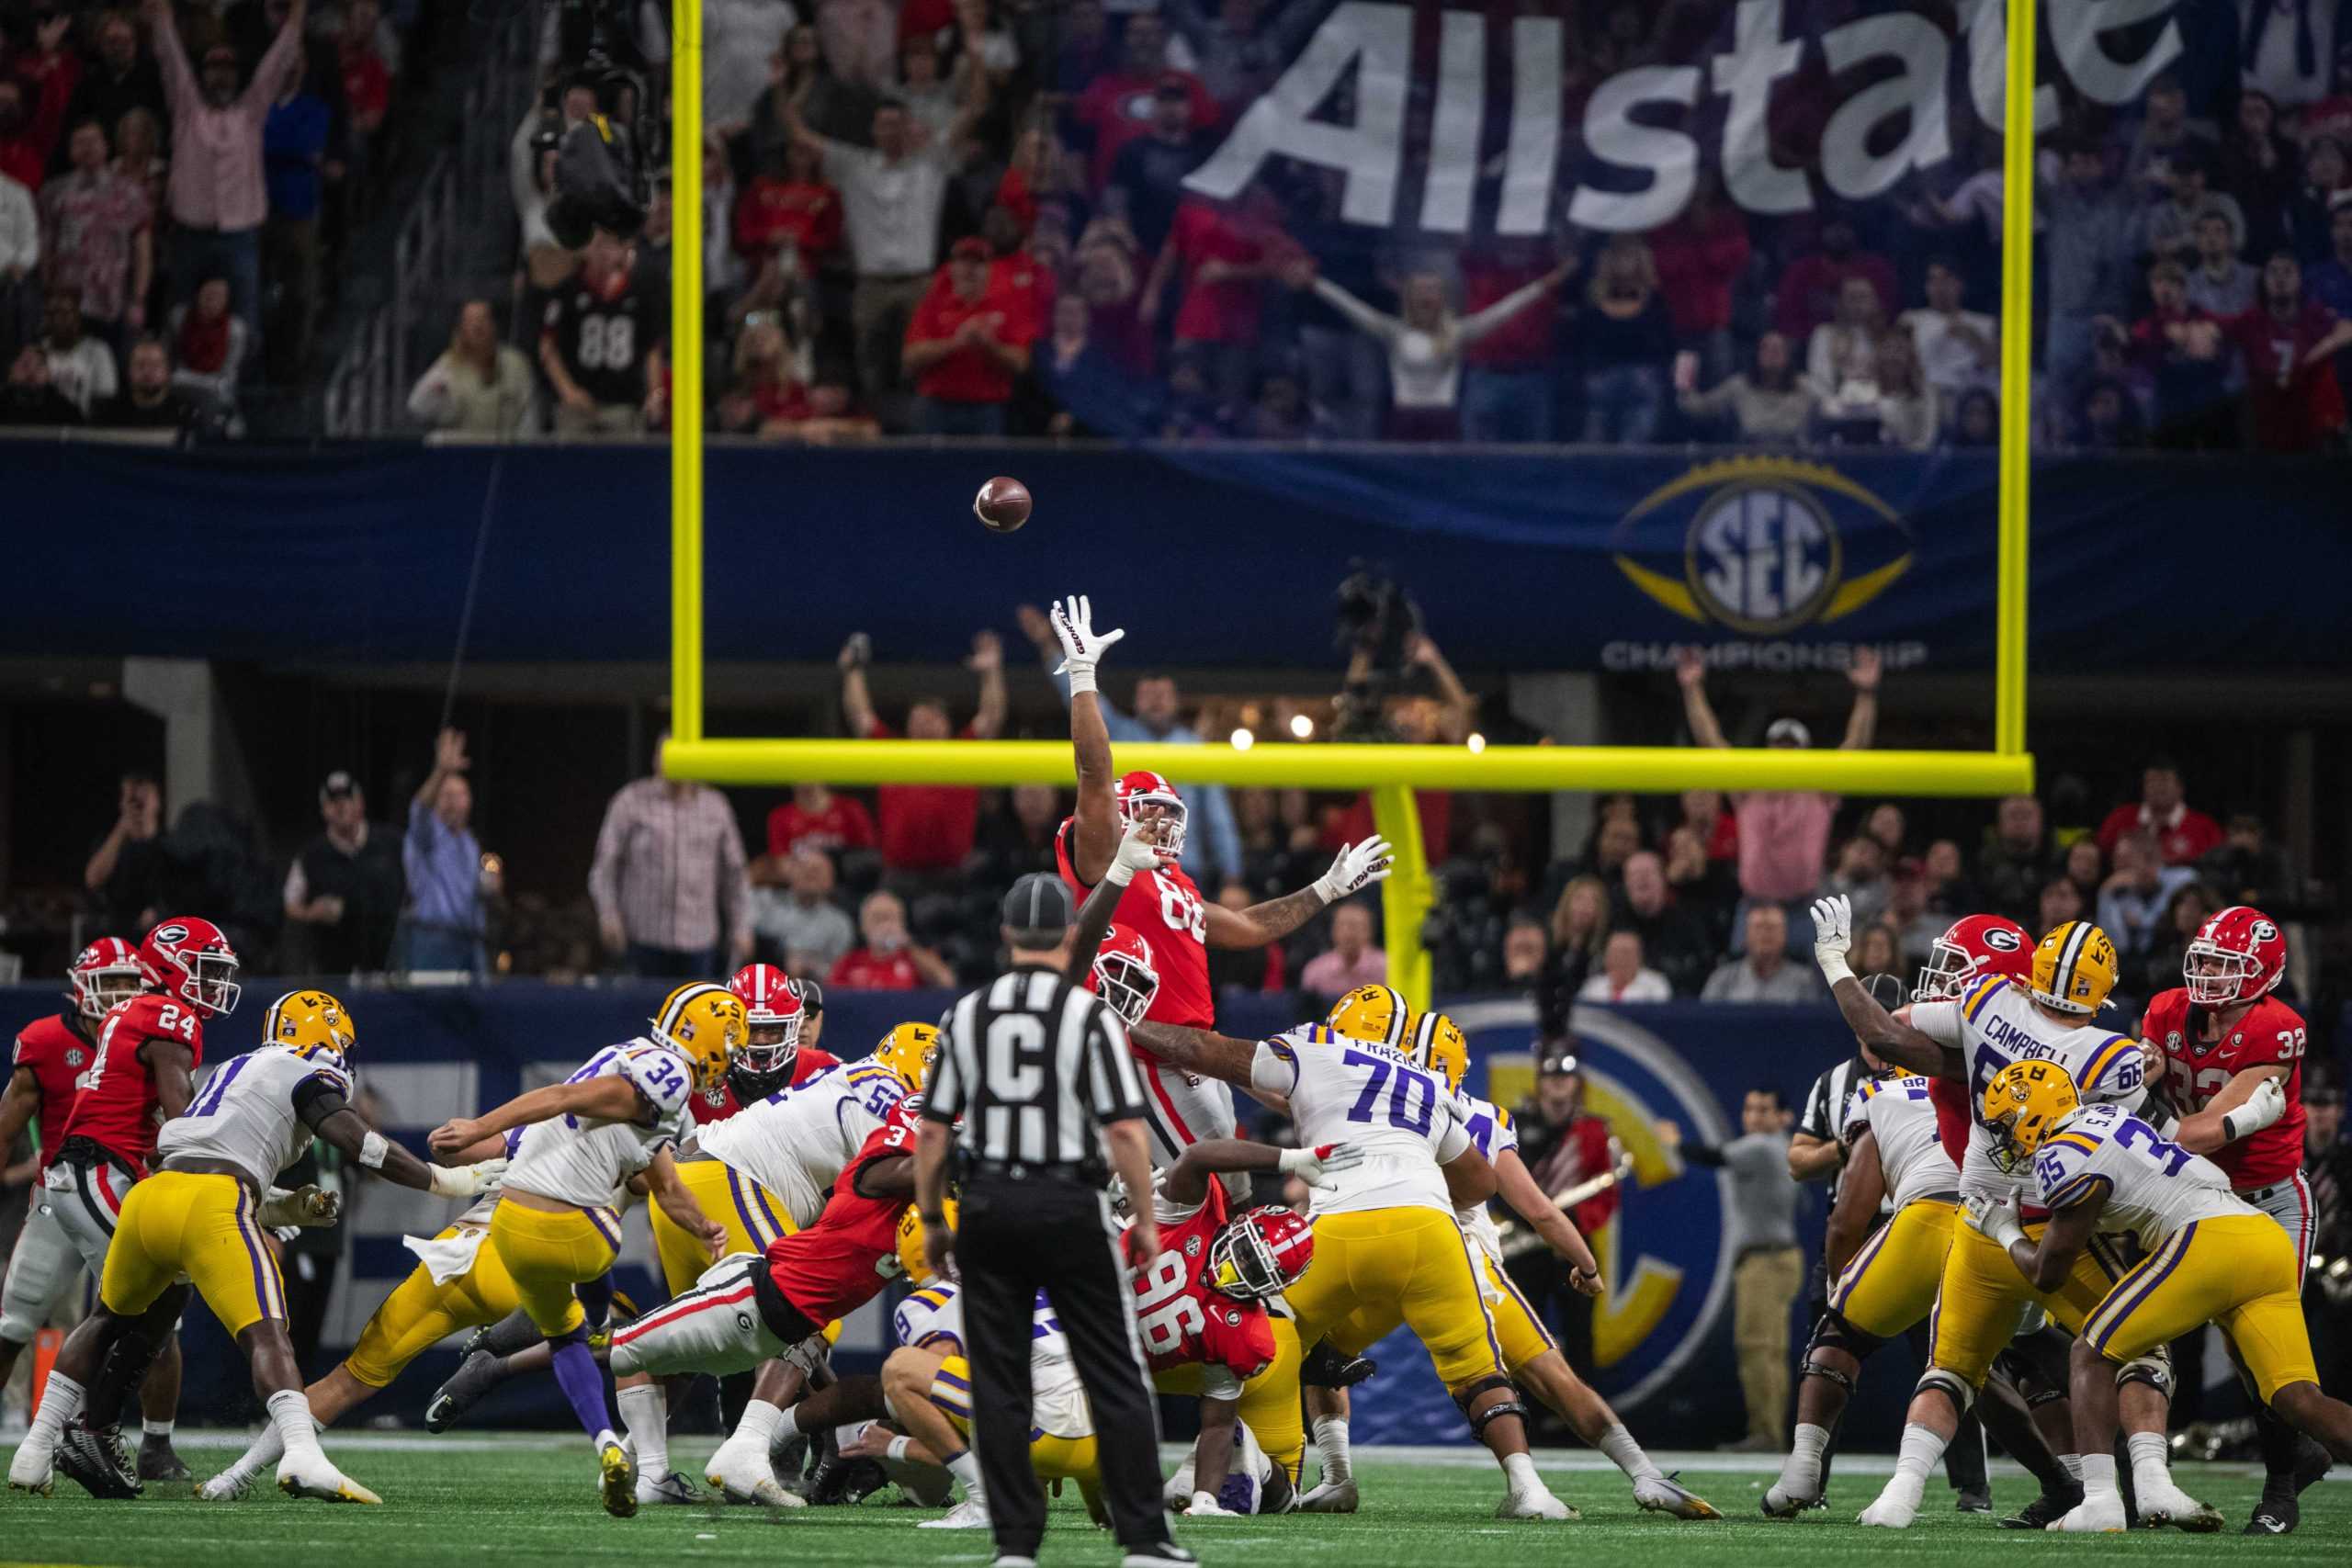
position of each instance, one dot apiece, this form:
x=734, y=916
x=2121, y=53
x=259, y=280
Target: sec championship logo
x=1762, y=545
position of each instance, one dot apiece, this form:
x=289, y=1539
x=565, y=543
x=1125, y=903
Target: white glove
x=465, y=1181
x=1357, y=865
x=1995, y=1221
x=2264, y=1106
x=305, y=1206
x=1313, y=1166
x=1832, y=936
x=1206, y=1506
x=1136, y=852
x=1082, y=646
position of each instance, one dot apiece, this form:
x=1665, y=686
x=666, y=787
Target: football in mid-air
x=1002, y=504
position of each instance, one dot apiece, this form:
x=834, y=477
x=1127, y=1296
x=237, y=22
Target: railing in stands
x=464, y=194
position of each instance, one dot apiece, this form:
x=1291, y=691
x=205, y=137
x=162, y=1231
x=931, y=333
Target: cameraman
x=1371, y=708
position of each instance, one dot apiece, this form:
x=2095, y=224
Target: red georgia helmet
x=187, y=957
x=773, y=1009
x=1975, y=947
x=1261, y=1254
x=1124, y=975
x=2239, y=955
x=103, y=974
x=1140, y=788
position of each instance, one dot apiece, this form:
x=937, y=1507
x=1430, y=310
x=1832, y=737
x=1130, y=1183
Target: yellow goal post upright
x=1390, y=773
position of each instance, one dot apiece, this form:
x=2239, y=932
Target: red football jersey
x=843, y=1260
x=117, y=1109
x=1953, y=1116
x=717, y=1102
x=1166, y=909
x=54, y=1050
x=2195, y=1069
x=1184, y=1320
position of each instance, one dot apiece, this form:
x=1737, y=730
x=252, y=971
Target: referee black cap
x=1039, y=907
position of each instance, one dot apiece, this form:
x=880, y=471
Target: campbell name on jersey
x=589, y=1163
x=1996, y=1023
x=1901, y=1115
x=935, y=1313
x=247, y=1112
x=1354, y=1091
x=2152, y=1187
x=1491, y=1130
x=795, y=1142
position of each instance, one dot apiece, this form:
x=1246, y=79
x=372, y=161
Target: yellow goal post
x=1391, y=773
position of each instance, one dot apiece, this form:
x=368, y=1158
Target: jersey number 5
x=1166, y=1312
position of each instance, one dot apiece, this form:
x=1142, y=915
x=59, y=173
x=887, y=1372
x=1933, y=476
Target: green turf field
x=530, y=1500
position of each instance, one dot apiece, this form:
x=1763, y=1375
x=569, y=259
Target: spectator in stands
x=1811, y=289
x=98, y=231
x=804, y=930
x=346, y=886
x=2016, y=861
x=1082, y=390
x=2132, y=900
x=2292, y=393
x=1624, y=978
x=2166, y=137
x=295, y=153
x=122, y=79
x=1885, y=823
x=2257, y=166
x=148, y=400
x=767, y=398
x=2186, y=912
x=2221, y=284
x=1841, y=357
x=1241, y=46
x=218, y=198
x=1977, y=422
x=1877, y=953
x=1255, y=969
x=2171, y=226
x=2329, y=282
x=1765, y=973
x=601, y=343
x=1120, y=105
x=1527, y=952
x=1909, y=413
x=1701, y=256
x=207, y=343
x=2106, y=417
x=2288, y=50
x=1861, y=877
x=33, y=96
x=1218, y=258
x=1147, y=180
x=81, y=366
x=19, y=266
x=668, y=879
x=885, y=959
x=788, y=216
x=1623, y=339
x=2090, y=239
x=926, y=827
x=127, y=874
x=816, y=818
x=1510, y=376
x=2184, y=834
x=479, y=384
x=2247, y=868
x=1782, y=833
x=1672, y=938
x=966, y=344
x=29, y=398
x=447, y=879
x=1958, y=349
x=367, y=75
x=2184, y=351
x=2060, y=901
x=1351, y=961
x=1770, y=406
x=1580, y=922
x=1017, y=835
x=860, y=38
x=2326, y=179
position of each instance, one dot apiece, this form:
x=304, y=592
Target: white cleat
x=31, y=1471
x=673, y=1489
x=2088, y=1517
x=1891, y=1511
x=1664, y=1494
x=318, y=1478
x=1536, y=1505
x=2171, y=1506
x=741, y=1475
x=967, y=1515
x=228, y=1486
x=1330, y=1497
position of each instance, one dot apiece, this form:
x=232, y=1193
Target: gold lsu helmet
x=1440, y=1045
x=909, y=1050
x=307, y=1022
x=705, y=1023
x=1373, y=1012
x=2074, y=968
x=910, y=1257
x=2024, y=1104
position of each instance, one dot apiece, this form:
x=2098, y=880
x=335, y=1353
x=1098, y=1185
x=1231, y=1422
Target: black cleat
x=2274, y=1515
x=480, y=1373
x=1325, y=1366
x=1974, y=1500
x=157, y=1461
x=2044, y=1510
x=95, y=1457
x=1278, y=1496
x=2279, y=1512
x=846, y=1482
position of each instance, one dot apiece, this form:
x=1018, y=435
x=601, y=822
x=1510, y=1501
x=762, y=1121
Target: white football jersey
x=1996, y=1024
x=589, y=1163
x=243, y=1112
x=2153, y=1188
x=1061, y=1409
x=796, y=1142
x=1910, y=1155
x=1491, y=1130
x=1355, y=1092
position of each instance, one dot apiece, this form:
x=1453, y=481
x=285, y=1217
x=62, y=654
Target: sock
x=966, y=1469
x=2151, y=1463
x=2099, y=1479
x=1520, y=1470
x=582, y=1383
x=2074, y=1463
x=291, y=1413
x=1921, y=1448
x=757, y=1427
x=2280, y=1445
x=1626, y=1454
x=647, y=1416
x=1800, y=1475
x=151, y=1430
x=514, y=1332
x=787, y=1422
x=1332, y=1442
x=267, y=1449
x=59, y=1403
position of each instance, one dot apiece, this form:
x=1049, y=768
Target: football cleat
x=741, y=1475
x=2044, y=1510
x=1330, y=1497
x=1665, y=1495
x=318, y=1478
x=1778, y=1504
x=1973, y=1500
x=232, y=1486
x=1892, y=1511
x=1535, y=1505
x=1165, y=1554
x=476, y=1377
x=846, y=1482
x=157, y=1461
x=617, y=1481
x=2086, y=1517
x=672, y=1489
x=967, y=1515
x=95, y=1457
x=2171, y=1506
x=1326, y=1368
x=2279, y=1513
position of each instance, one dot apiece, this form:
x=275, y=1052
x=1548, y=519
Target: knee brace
x=1833, y=1331
x=2036, y=1364
x=1813, y=1369
x=1951, y=1385
x=1481, y=1419
x=136, y=1344
x=2155, y=1369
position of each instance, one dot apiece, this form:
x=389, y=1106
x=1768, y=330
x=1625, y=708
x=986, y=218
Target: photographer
x=1392, y=666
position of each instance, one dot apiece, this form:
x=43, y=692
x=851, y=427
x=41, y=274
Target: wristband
x=451, y=1181
x=897, y=1449
x=1834, y=967
x=1081, y=675
x=1325, y=889
x=1119, y=875
x=1205, y=1500
x=372, y=1150
x=2229, y=1131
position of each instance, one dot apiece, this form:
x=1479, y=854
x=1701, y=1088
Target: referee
x=1038, y=1070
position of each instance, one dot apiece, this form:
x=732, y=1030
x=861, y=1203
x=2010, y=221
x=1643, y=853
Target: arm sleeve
x=1115, y=1089
x=319, y=1097
x=1220, y=1381
x=1940, y=1021
x=1275, y=1069
x=1709, y=1154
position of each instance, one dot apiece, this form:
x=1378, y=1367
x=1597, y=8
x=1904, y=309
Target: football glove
x=1206, y=1506
x=1136, y=852
x=305, y=1206
x=1357, y=866
x=1995, y=1221
x=1313, y=1166
x=2263, y=1107
x=1082, y=646
x=464, y=1180
x=1832, y=936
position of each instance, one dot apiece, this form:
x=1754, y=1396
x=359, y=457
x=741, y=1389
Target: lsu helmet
x=1373, y=1012
x=705, y=1023
x=909, y=1050
x=1972, y=947
x=1259, y=1253
x=1440, y=1045
x=2239, y=955
x=103, y=974
x=773, y=1017
x=910, y=1257
x=2074, y=968
x=189, y=959
x=1124, y=975
x=2024, y=1104
x=1140, y=789
x=307, y=1022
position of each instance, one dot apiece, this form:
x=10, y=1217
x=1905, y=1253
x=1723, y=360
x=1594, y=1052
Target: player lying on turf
x=200, y=1217
x=2211, y=1258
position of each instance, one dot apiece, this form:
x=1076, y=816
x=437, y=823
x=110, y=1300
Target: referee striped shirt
x=1036, y=1066
x=1824, y=1109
